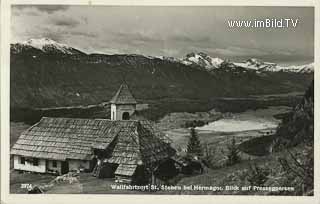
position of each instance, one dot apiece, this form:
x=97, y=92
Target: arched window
x=125, y=116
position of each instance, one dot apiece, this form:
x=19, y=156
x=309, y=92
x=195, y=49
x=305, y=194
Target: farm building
x=130, y=150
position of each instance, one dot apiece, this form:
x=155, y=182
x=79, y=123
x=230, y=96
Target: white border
x=186, y=199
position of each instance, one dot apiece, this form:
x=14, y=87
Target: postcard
x=158, y=101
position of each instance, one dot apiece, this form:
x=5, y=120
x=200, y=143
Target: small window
x=22, y=160
x=54, y=163
x=35, y=162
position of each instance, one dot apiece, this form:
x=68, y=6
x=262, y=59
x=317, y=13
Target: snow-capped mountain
x=306, y=68
x=170, y=59
x=203, y=60
x=256, y=64
x=259, y=65
x=210, y=63
x=198, y=60
x=45, y=64
x=45, y=45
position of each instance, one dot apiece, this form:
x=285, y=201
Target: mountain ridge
x=45, y=45
x=199, y=59
x=41, y=78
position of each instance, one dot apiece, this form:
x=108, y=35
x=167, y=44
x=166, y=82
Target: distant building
x=123, y=104
x=129, y=150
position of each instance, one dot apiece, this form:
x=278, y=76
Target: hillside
x=291, y=163
x=299, y=126
x=296, y=128
x=54, y=75
x=293, y=143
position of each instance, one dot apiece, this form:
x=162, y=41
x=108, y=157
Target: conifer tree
x=233, y=153
x=194, y=147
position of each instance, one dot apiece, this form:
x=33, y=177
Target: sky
x=169, y=31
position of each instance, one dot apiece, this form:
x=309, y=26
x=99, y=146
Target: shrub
x=195, y=123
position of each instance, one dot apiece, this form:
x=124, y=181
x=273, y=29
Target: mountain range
x=45, y=73
x=200, y=59
x=210, y=63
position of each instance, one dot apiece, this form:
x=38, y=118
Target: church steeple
x=123, y=104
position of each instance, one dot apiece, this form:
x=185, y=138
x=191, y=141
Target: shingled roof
x=123, y=96
x=74, y=138
x=140, y=146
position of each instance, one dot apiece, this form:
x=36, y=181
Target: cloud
x=164, y=31
x=64, y=21
x=54, y=36
x=43, y=8
x=138, y=36
x=83, y=33
x=193, y=39
x=54, y=33
x=52, y=8
x=240, y=51
x=22, y=10
x=49, y=9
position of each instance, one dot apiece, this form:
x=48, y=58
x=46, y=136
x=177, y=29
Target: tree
x=208, y=157
x=194, y=147
x=298, y=169
x=233, y=153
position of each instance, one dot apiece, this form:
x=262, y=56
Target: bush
x=195, y=123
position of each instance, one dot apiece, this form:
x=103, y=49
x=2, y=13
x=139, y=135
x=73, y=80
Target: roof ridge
x=105, y=119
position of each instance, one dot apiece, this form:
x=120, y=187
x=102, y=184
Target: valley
x=225, y=102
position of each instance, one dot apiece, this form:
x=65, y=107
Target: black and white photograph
x=161, y=100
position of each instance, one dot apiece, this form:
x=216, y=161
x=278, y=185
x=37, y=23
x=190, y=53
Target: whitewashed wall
x=28, y=166
x=113, y=112
x=120, y=109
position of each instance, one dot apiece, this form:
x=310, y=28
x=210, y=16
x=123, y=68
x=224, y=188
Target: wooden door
x=64, y=167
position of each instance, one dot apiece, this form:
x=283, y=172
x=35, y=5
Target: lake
x=242, y=126
x=249, y=120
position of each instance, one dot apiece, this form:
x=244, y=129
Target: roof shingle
x=123, y=96
x=73, y=138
